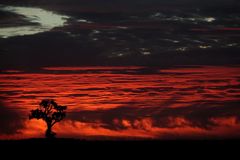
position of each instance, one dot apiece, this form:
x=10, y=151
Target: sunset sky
x=139, y=69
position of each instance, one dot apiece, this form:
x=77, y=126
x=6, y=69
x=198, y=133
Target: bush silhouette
x=51, y=113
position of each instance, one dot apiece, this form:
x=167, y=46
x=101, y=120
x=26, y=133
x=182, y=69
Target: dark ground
x=73, y=148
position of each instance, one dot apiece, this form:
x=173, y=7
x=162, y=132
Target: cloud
x=204, y=116
x=10, y=120
x=190, y=122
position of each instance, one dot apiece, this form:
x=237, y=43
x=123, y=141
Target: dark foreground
x=73, y=148
x=140, y=144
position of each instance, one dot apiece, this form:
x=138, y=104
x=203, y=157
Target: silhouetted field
x=134, y=147
x=81, y=149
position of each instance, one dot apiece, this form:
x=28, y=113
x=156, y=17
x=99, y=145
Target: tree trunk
x=49, y=133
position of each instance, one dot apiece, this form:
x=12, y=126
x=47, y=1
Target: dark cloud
x=77, y=45
x=105, y=2
x=10, y=120
x=58, y=49
x=198, y=115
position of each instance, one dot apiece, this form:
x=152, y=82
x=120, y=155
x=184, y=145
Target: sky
x=152, y=69
x=75, y=35
x=124, y=102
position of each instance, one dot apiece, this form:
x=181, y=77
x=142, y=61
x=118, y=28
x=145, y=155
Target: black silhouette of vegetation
x=51, y=113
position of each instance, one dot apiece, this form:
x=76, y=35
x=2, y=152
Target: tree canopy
x=51, y=113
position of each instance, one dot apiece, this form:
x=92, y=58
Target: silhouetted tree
x=51, y=113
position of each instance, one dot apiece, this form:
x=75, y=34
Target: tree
x=51, y=113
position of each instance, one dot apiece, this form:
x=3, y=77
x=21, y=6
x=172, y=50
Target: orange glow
x=146, y=96
x=225, y=121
